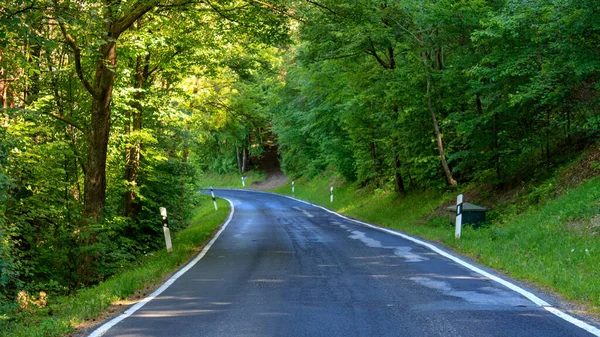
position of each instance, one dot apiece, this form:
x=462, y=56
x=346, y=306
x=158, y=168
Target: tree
x=116, y=20
x=71, y=115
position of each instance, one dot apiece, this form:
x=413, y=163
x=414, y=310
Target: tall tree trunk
x=3, y=90
x=33, y=59
x=373, y=150
x=389, y=65
x=438, y=134
x=397, y=164
x=569, y=127
x=101, y=92
x=184, y=161
x=6, y=96
x=97, y=142
x=244, y=159
x=238, y=156
x=3, y=86
x=495, y=144
x=94, y=182
x=397, y=173
x=133, y=154
x=410, y=179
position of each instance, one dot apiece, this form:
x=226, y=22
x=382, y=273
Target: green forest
x=110, y=109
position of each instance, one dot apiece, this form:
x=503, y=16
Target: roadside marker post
x=331, y=194
x=292, y=186
x=459, y=206
x=214, y=200
x=165, y=223
x=243, y=181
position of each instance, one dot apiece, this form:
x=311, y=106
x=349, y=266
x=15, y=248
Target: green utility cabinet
x=471, y=214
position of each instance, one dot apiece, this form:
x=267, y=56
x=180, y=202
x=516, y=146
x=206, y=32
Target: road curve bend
x=285, y=268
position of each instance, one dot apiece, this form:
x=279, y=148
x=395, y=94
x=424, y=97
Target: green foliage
x=229, y=109
x=63, y=313
x=188, y=90
x=9, y=275
x=513, y=86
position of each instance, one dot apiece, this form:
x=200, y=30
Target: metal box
x=471, y=214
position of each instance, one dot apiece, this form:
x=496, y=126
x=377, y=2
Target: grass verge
x=554, y=243
x=63, y=315
x=230, y=180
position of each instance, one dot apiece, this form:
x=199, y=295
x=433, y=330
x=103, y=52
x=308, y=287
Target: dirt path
x=274, y=179
x=270, y=165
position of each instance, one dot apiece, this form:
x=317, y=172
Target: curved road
x=285, y=268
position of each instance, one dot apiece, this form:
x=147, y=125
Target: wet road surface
x=285, y=268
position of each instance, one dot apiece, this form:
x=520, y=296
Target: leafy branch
x=63, y=119
x=77, y=53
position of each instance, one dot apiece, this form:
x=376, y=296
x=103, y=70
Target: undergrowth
x=63, y=315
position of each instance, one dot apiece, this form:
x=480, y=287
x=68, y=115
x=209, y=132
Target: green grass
x=63, y=314
x=231, y=180
x=554, y=243
x=400, y=212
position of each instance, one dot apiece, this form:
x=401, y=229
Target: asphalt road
x=285, y=268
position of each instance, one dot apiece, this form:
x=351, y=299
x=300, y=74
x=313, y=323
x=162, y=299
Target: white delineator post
x=243, y=181
x=459, y=206
x=292, y=186
x=331, y=194
x=165, y=223
x=214, y=200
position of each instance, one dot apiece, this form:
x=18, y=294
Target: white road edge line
x=533, y=298
x=530, y=296
x=106, y=326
